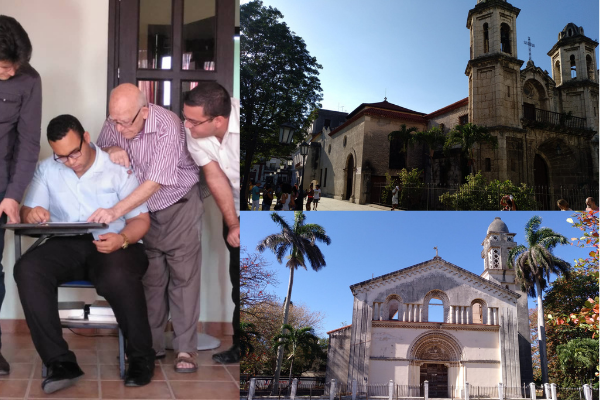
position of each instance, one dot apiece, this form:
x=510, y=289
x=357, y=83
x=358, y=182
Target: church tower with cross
x=494, y=68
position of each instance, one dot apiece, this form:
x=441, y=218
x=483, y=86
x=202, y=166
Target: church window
x=557, y=73
x=393, y=307
x=435, y=310
x=397, y=159
x=488, y=164
x=590, y=67
x=345, y=141
x=573, y=67
x=509, y=238
x=463, y=119
x=507, y=91
x=477, y=313
x=325, y=178
x=329, y=150
x=505, y=39
x=486, y=38
x=496, y=237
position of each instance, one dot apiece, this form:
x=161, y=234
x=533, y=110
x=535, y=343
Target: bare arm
x=135, y=229
x=34, y=215
x=219, y=186
x=140, y=195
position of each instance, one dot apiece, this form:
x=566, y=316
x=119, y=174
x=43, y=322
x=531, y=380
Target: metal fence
x=402, y=391
x=553, y=118
x=427, y=197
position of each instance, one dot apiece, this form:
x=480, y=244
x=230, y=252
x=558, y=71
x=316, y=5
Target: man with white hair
x=150, y=140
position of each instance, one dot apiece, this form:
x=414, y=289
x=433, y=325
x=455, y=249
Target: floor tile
x=116, y=390
x=13, y=388
x=111, y=373
x=79, y=342
x=91, y=372
x=18, y=355
x=234, y=371
x=108, y=357
x=18, y=371
x=205, y=390
x=81, y=390
x=204, y=373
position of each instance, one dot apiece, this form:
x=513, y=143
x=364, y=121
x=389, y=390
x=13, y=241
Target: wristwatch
x=125, y=241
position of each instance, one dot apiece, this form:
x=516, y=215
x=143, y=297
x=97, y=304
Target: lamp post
x=304, y=148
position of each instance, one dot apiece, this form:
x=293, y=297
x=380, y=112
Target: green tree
x=280, y=81
x=247, y=333
x=297, y=340
x=578, y=360
x=467, y=136
x=432, y=138
x=533, y=266
x=299, y=241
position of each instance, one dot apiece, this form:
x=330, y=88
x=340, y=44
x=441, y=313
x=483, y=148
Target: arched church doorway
x=349, y=176
x=437, y=376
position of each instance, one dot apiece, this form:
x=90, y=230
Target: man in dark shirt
x=20, y=128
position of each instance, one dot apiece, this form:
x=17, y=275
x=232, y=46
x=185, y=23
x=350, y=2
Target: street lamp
x=286, y=132
x=304, y=148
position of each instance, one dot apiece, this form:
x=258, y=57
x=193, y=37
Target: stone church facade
x=546, y=123
x=483, y=339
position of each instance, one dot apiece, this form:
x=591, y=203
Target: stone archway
x=349, y=177
x=562, y=166
x=434, y=352
x=440, y=295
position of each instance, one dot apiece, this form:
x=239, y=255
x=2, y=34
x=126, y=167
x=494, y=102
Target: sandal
x=186, y=359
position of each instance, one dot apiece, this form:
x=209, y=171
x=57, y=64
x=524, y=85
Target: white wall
x=70, y=45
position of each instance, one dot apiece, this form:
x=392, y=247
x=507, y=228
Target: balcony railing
x=549, y=117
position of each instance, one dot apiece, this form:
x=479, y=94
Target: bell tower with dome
x=496, y=246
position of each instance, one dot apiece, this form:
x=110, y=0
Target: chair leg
x=121, y=354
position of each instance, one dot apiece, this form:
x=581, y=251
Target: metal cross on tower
x=528, y=43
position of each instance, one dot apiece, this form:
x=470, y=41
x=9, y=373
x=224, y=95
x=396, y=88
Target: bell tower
x=493, y=69
x=496, y=247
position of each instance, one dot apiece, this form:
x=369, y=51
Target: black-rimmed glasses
x=74, y=155
x=123, y=124
x=193, y=122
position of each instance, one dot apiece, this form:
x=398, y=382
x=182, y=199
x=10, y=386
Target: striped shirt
x=159, y=154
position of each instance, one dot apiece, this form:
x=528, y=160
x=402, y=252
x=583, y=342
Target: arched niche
x=436, y=294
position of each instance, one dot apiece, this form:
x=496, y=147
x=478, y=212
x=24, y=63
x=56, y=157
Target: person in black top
x=20, y=128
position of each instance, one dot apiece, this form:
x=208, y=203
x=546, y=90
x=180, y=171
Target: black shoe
x=140, y=371
x=4, y=367
x=61, y=375
x=229, y=356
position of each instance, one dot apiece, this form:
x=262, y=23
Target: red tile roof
x=385, y=105
x=381, y=113
x=339, y=329
x=453, y=106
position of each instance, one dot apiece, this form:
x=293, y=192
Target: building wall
x=338, y=355
x=353, y=136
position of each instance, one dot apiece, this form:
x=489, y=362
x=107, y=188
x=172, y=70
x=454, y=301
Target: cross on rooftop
x=528, y=43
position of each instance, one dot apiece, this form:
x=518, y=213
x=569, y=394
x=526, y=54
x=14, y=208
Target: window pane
x=157, y=92
x=199, y=27
x=155, y=41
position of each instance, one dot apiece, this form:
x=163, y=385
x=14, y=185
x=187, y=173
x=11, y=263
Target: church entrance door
x=349, y=176
x=437, y=376
x=540, y=178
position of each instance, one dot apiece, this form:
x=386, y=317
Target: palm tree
x=433, y=138
x=295, y=341
x=299, y=242
x=403, y=136
x=533, y=266
x=468, y=135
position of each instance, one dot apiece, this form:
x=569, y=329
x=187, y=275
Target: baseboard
x=213, y=328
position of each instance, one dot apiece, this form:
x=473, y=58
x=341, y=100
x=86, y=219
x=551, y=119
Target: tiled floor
x=97, y=356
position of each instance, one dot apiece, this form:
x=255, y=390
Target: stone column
x=332, y=390
x=420, y=313
x=426, y=390
x=532, y=390
x=252, y=388
x=496, y=316
x=469, y=315
x=294, y=388
x=489, y=316
x=409, y=312
x=461, y=312
x=416, y=313
x=451, y=314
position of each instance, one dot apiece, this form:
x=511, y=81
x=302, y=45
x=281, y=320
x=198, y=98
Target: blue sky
x=366, y=244
x=415, y=52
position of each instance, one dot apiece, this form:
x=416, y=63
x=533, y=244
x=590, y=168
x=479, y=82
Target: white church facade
x=483, y=339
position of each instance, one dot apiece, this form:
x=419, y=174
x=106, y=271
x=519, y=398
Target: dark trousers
x=234, y=275
x=3, y=220
x=117, y=277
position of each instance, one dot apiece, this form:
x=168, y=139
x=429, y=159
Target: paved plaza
x=329, y=204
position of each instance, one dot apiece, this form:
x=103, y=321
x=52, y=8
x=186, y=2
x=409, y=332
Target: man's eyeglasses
x=193, y=122
x=74, y=155
x=124, y=124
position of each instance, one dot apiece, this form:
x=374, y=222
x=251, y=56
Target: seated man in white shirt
x=212, y=122
x=68, y=187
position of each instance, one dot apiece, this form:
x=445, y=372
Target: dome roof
x=497, y=226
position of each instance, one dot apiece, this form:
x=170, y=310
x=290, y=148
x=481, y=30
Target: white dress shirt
x=226, y=153
x=68, y=198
